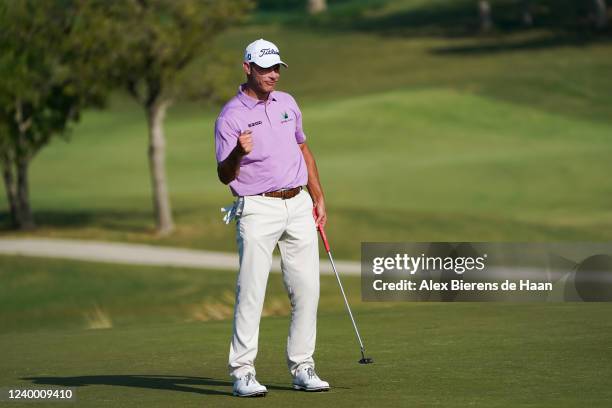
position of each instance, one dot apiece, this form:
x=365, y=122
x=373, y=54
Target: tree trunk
x=21, y=160
x=316, y=6
x=26, y=219
x=484, y=10
x=601, y=14
x=10, y=187
x=157, y=153
x=526, y=16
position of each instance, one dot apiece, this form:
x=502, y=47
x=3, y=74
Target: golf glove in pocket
x=233, y=211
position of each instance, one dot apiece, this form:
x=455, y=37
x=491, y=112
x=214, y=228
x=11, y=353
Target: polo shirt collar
x=249, y=101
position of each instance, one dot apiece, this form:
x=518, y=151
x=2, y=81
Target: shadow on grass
x=157, y=382
x=128, y=221
x=499, y=45
x=117, y=220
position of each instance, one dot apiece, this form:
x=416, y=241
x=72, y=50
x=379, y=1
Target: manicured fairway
x=413, y=165
x=415, y=139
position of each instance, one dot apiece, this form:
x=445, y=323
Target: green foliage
x=43, y=81
x=438, y=17
x=277, y=5
x=291, y=5
x=59, y=56
x=165, y=36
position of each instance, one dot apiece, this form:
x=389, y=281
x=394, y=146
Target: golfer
x=262, y=155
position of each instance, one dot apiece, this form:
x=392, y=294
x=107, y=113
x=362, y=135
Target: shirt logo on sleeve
x=255, y=123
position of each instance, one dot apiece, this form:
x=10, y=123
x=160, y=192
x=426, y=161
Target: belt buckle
x=286, y=192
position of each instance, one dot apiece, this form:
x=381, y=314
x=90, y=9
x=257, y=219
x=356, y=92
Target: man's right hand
x=228, y=169
x=245, y=143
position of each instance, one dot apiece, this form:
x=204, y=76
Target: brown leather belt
x=284, y=194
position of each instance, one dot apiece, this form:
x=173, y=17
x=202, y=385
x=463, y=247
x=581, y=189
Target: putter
x=364, y=359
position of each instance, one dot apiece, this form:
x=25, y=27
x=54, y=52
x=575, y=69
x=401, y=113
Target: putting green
x=159, y=352
x=493, y=355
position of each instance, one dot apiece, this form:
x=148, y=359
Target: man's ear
x=246, y=67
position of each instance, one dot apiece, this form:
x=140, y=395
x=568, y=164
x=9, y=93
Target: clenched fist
x=245, y=143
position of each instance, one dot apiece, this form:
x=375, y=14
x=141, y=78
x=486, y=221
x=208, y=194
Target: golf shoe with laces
x=306, y=379
x=248, y=386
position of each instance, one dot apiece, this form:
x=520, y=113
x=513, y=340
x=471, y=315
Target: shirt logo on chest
x=285, y=117
x=255, y=123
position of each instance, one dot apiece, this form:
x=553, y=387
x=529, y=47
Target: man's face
x=262, y=79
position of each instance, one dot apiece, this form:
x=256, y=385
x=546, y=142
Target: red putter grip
x=323, y=237
x=321, y=231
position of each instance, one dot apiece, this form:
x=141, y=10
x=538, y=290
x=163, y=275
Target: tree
x=484, y=11
x=165, y=37
x=526, y=14
x=44, y=85
x=601, y=14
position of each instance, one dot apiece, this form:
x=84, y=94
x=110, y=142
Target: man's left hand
x=319, y=213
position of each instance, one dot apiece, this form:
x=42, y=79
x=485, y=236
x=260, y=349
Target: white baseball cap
x=263, y=53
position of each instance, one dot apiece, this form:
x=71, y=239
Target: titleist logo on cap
x=266, y=51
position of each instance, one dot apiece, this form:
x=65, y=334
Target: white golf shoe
x=307, y=380
x=248, y=386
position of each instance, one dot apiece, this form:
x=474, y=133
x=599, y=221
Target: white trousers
x=264, y=223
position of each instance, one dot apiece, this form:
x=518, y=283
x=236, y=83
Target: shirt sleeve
x=226, y=138
x=300, y=137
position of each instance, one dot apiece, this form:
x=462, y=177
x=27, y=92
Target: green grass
x=426, y=354
x=158, y=354
x=43, y=294
x=400, y=165
x=417, y=138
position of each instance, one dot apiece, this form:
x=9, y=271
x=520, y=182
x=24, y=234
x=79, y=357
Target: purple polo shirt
x=276, y=160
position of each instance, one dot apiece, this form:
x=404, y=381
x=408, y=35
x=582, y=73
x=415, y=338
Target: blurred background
x=430, y=120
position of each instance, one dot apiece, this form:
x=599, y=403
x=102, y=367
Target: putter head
x=366, y=360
